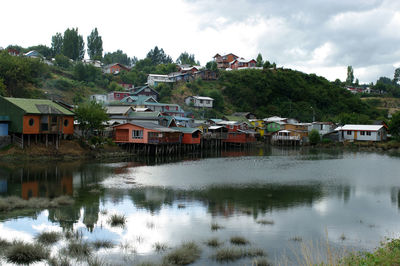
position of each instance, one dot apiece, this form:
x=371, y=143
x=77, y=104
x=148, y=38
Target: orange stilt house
x=146, y=133
x=190, y=135
x=37, y=118
x=238, y=132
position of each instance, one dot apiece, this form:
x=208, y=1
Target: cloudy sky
x=313, y=36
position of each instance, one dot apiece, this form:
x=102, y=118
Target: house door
x=355, y=135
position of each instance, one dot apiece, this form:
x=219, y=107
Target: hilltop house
x=146, y=91
x=36, y=117
x=117, y=95
x=224, y=60
x=115, y=68
x=199, y=101
x=154, y=79
x=241, y=63
x=99, y=98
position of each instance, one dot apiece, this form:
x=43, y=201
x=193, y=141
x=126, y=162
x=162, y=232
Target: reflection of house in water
x=47, y=188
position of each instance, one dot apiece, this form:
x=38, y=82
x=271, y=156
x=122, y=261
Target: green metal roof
x=144, y=114
x=39, y=106
x=189, y=130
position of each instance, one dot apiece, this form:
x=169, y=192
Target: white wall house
x=154, y=79
x=99, y=98
x=322, y=127
x=362, y=132
x=199, y=101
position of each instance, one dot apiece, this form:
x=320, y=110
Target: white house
x=322, y=127
x=199, y=101
x=154, y=79
x=362, y=132
x=99, y=98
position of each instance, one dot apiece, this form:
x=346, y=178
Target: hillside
x=282, y=92
x=388, y=104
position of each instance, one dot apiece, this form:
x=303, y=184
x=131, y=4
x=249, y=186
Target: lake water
x=350, y=200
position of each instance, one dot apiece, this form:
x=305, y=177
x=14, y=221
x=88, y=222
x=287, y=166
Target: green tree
x=3, y=90
x=57, y=42
x=117, y=57
x=396, y=77
x=394, y=125
x=350, y=75
x=73, y=44
x=187, y=59
x=158, y=56
x=267, y=65
x=314, y=137
x=260, y=61
x=212, y=65
x=95, y=45
x=62, y=61
x=91, y=117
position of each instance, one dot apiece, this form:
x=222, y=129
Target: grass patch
x=117, y=220
x=23, y=253
x=260, y=262
x=233, y=254
x=216, y=227
x=61, y=261
x=238, y=240
x=185, y=254
x=78, y=249
x=296, y=239
x=48, y=238
x=98, y=244
x=160, y=247
x=4, y=244
x=13, y=202
x=387, y=254
x=265, y=222
x=213, y=242
x=73, y=235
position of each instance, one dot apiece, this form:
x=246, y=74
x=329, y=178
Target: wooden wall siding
x=69, y=129
x=188, y=138
x=120, y=134
x=236, y=138
x=35, y=128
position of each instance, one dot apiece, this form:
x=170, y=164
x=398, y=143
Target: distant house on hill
x=241, y=63
x=99, y=98
x=33, y=54
x=95, y=63
x=154, y=79
x=115, y=68
x=224, y=60
x=199, y=101
x=146, y=91
x=117, y=95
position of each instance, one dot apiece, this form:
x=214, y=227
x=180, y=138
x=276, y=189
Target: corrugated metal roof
x=39, y=106
x=118, y=109
x=362, y=127
x=153, y=126
x=189, y=130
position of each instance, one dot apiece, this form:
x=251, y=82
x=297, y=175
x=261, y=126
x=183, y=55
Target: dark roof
x=142, y=88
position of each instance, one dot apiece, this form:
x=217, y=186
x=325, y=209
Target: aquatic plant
x=260, y=262
x=98, y=244
x=77, y=235
x=239, y=240
x=60, y=261
x=117, y=220
x=265, y=222
x=233, y=254
x=13, y=202
x=4, y=244
x=296, y=238
x=48, y=238
x=78, y=249
x=185, y=254
x=213, y=242
x=24, y=253
x=159, y=247
x=215, y=227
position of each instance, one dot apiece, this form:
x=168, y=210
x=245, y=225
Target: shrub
x=98, y=244
x=238, y=240
x=24, y=253
x=187, y=253
x=213, y=242
x=48, y=238
x=314, y=137
x=78, y=249
x=117, y=220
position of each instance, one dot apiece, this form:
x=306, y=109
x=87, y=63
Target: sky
x=313, y=36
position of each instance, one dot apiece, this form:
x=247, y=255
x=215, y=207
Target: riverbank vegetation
x=13, y=203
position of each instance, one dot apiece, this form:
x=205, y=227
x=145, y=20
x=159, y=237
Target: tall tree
x=91, y=116
x=57, y=44
x=187, y=59
x=95, y=45
x=350, y=75
x=117, y=57
x=158, y=56
x=396, y=77
x=73, y=44
x=260, y=61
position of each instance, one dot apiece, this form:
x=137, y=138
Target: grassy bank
x=68, y=150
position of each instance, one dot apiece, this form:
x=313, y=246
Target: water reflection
x=304, y=192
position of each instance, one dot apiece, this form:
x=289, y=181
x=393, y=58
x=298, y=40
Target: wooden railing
x=277, y=137
x=18, y=141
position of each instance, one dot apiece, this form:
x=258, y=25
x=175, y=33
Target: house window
x=176, y=108
x=362, y=133
x=117, y=95
x=167, y=107
x=137, y=134
x=368, y=133
x=348, y=132
x=66, y=122
x=31, y=122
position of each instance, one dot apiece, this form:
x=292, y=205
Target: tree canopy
x=73, y=44
x=90, y=116
x=350, y=75
x=95, y=45
x=158, y=56
x=187, y=59
x=117, y=57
